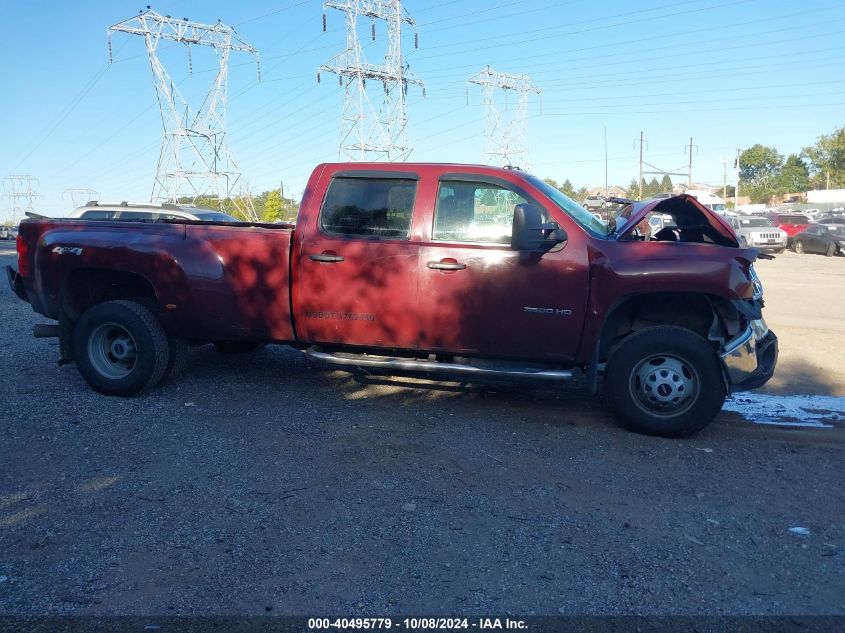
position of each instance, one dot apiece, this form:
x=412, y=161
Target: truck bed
x=210, y=280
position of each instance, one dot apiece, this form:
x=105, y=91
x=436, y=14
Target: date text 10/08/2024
x=416, y=623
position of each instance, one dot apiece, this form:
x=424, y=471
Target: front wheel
x=120, y=348
x=831, y=250
x=799, y=248
x=665, y=381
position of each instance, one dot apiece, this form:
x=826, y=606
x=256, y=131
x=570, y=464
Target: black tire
x=799, y=247
x=645, y=401
x=138, y=353
x=743, y=243
x=831, y=250
x=237, y=347
x=178, y=348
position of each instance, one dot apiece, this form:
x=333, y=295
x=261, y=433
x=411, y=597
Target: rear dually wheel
x=120, y=348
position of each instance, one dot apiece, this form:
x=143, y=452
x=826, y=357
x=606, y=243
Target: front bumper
x=749, y=359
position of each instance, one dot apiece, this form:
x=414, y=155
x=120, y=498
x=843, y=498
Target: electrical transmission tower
x=195, y=160
x=506, y=136
x=370, y=131
x=19, y=191
x=79, y=196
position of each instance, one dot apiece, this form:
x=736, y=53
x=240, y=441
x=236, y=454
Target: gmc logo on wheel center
x=552, y=311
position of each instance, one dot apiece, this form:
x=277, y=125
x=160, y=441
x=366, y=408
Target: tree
x=568, y=190
x=651, y=188
x=581, y=194
x=550, y=181
x=665, y=184
x=827, y=160
x=273, y=206
x=633, y=190
x=759, y=165
x=794, y=175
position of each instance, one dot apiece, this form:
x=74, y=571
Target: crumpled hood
x=640, y=210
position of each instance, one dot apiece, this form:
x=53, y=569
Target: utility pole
x=689, y=171
x=724, y=177
x=195, y=159
x=507, y=140
x=605, y=161
x=369, y=132
x=640, y=181
x=20, y=194
x=736, y=188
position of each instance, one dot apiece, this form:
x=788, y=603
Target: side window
x=474, y=212
x=97, y=215
x=369, y=207
x=137, y=216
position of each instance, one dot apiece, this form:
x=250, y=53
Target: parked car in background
x=792, y=223
x=596, y=202
x=833, y=219
x=659, y=221
x=759, y=233
x=824, y=239
x=5, y=234
x=148, y=211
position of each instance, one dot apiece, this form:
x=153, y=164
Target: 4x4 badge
x=67, y=250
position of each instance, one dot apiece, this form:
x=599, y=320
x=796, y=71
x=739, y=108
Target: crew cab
x=463, y=271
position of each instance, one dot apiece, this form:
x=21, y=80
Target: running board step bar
x=434, y=367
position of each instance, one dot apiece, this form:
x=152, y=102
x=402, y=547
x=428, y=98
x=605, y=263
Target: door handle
x=446, y=265
x=326, y=258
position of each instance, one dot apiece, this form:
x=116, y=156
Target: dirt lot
x=805, y=306
x=261, y=484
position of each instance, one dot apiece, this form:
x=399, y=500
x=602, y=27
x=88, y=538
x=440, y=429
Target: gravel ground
x=262, y=484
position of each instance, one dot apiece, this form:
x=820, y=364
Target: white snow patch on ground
x=811, y=411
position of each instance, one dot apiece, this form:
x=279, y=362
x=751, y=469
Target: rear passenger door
x=358, y=263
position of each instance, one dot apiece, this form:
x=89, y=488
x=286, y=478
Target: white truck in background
x=709, y=200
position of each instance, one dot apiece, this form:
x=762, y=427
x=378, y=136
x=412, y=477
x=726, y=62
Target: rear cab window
x=368, y=207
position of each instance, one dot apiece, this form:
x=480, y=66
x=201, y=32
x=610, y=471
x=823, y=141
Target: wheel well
x=693, y=311
x=86, y=287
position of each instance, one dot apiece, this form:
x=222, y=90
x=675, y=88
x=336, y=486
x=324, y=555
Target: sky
x=726, y=73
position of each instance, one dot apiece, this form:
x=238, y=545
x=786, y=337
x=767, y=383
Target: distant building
x=697, y=186
x=613, y=191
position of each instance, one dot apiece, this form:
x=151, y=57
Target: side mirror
x=530, y=231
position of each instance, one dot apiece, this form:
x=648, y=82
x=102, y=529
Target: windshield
x=574, y=210
x=214, y=216
x=718, y=208
x=753, y=223
x=794, y=219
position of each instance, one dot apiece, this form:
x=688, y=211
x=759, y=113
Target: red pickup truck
x=461, y=271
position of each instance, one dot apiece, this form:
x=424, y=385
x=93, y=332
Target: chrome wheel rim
x=112, y=351
x=799, y=247
x=664, y=385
